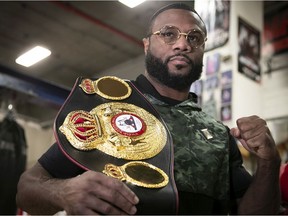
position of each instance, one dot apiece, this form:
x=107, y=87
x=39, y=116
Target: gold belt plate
x=121, y=130
x=138, y=173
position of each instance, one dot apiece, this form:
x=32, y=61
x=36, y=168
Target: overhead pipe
x=98, y=22
x=49, y=93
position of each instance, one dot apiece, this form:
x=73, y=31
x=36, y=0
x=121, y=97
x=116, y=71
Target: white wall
x=267, y=99
x=127, y=70
x=247, y=94
x=275, y=94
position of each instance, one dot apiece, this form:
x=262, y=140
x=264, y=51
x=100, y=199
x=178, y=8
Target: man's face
x=175, y=65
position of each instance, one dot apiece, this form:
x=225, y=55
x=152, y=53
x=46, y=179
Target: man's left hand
x=255, y=136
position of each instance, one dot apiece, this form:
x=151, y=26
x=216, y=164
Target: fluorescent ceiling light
x=131, y=3
x=33, y=56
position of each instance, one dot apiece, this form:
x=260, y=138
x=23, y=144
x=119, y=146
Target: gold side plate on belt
x=138, y=173
x=108, y=87
x=121, y=130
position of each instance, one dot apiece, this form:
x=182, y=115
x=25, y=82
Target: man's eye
x=195, y=38
x=168, y=34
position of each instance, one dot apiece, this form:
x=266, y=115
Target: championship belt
x=108, y=126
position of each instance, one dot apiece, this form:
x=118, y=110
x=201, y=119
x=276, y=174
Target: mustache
x=182, y=55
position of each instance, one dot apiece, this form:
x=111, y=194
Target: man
x=208, y=166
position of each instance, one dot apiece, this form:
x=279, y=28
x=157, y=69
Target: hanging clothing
x=12, y=162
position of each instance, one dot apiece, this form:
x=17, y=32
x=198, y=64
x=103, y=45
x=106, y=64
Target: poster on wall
x=249, y=50
x=211, y=83
x=212, y=64
x=275, y=39
x=215, y=14
x=226, y=78
x=226, y=112
x=226, y=95
x=275, y=34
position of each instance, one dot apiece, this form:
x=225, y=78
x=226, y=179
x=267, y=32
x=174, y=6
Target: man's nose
x=182, y=43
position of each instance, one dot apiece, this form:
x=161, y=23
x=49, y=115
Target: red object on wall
x=284, y=183
x=275, y=35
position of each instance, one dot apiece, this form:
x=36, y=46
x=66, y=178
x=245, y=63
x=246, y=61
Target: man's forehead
x=173, y=6
x=177, y=15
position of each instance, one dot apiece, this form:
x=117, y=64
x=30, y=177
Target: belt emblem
x=116, y=129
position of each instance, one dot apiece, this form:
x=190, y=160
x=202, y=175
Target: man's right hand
x=95, y=193
x=90, y=193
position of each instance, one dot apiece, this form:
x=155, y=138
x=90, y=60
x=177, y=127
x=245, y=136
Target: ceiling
x=85, y=37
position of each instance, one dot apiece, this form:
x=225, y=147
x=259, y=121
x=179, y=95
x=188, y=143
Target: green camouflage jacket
x=200, y=148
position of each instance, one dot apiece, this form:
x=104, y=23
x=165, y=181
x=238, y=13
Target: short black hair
x=178, y=5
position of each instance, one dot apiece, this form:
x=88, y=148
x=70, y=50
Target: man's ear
x=146, y=44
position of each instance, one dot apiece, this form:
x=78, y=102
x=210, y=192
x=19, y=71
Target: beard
x=160, y=71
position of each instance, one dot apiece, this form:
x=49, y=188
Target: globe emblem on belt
x=128, y=124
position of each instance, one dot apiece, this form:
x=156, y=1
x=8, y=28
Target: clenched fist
x=255, y=137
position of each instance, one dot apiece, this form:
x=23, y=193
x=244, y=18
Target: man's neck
x=167, y=91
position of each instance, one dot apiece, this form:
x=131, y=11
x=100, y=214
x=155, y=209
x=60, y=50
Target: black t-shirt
x=59, y=166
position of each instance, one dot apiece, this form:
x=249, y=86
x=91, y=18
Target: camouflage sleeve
x=240, y=178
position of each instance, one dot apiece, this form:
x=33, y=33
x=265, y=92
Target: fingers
x=252, y=132
x=117, y=193
x=249, y=127
x=95, y=193
x=235, y=132
x=120, y=188
x=255, y=136
x=252, y=126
